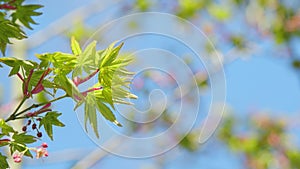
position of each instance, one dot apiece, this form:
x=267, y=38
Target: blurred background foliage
x=258, y=140
x=261, y=141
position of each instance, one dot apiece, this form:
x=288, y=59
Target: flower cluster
x=18, y=157
x=41, y=151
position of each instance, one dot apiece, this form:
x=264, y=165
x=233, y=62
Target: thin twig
x=17, y=109
x=14, y=116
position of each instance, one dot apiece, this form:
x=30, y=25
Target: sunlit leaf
x=75, y=46
x=5, y=128
x=107, y=113
x=9, y=30
x=23, y=138
x=3, y=161
x=91, y=115
x=24, y=14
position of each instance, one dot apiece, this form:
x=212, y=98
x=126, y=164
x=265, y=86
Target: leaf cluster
x=17, y=142
x=14, y=16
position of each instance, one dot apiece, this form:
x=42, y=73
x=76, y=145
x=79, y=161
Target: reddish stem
x=20, y=76
x=4, y=140
x=91, y=90
x=46, y=106
x=6, y=6
x=41, y=111
x=26, y=83
x=39, y=87
x=12, y=1
x=78, y=80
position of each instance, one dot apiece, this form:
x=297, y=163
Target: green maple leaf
x=49, y=121
x=113, y=77
x=19, y=143
x=3, y=162
x=24, y=14
x=9, y=30
x=23, y=138
x=76, y=50
x=5, y=128
x=90, y=115
x=107, y=113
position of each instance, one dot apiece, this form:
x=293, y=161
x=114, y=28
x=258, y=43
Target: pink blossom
x=45, y=145
x=17, y=157
x=41, y=152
